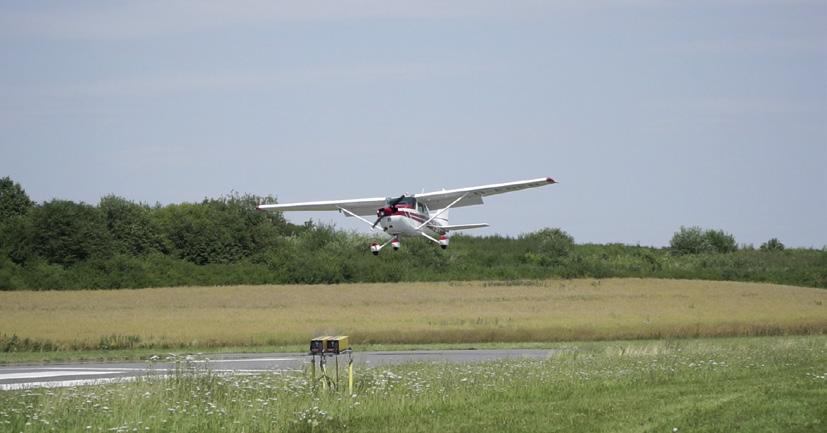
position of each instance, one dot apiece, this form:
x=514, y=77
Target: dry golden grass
x=552, y=310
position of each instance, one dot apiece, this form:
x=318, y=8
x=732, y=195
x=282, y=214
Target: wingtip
x=550, y=180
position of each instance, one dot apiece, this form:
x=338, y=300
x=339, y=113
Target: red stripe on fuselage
x=420, y=219
x=412, y=215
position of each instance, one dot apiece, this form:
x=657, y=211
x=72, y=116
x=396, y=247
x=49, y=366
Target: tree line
x=117, y=243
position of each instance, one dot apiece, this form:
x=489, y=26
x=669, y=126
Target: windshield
x=405, y=202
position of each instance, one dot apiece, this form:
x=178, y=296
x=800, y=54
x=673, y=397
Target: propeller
x=396, y=201
x=389, y=210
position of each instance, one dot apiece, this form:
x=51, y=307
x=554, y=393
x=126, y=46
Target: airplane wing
x=360, y=206
x=441, y=199
x=434, y=200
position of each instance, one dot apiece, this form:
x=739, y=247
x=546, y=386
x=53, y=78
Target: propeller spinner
x=389, y=210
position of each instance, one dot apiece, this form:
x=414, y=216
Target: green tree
x=550, y=242
x=131, y=227
x=64, y=232
x=772, y=245
x=13, y=200
x=694, y=240
x=689, y=240
x=720, y=241
x=219, y=230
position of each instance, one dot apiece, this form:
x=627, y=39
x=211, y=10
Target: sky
x=651, y=114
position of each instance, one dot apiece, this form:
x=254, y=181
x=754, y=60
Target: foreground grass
x=768, y=384
x=405, y=313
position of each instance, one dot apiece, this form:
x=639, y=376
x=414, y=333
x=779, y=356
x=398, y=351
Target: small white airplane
x=424, y=214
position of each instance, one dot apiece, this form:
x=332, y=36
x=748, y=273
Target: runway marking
x=38, y=374
x=63, y=383
x=108, y=369
x=221, y=361
x=103, y=381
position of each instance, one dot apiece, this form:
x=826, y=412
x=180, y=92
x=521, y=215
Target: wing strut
x=430, y=237
x=372, y=226
x=443, y=210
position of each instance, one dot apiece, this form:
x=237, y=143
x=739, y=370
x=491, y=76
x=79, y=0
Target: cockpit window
x=409, y=201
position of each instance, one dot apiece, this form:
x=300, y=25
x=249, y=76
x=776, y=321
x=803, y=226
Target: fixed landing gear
x=375, y=247
x=395, y=244
x=443, y=242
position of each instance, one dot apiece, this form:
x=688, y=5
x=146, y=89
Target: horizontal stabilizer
x=462, y=227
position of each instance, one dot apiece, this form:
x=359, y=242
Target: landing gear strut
x=375, y=247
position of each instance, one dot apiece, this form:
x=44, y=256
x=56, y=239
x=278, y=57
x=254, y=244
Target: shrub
x=772, y=245
x=689, y=240
x=550, y=242
x=694, y=240
x=720, y=241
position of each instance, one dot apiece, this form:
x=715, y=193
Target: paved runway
x=76, y=374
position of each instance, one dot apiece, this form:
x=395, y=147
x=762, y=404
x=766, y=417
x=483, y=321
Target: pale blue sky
x=651, y=114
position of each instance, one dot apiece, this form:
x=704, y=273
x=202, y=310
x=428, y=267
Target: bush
x=720, y=241
x=772, y=245
x=550, y=242
x=694, y=240
x=689, y=240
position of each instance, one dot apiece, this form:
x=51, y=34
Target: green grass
x=767, y=384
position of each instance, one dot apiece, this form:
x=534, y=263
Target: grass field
x=406, y=313
x=747, y=384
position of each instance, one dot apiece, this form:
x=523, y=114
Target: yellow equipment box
x=319, y=344
x=337, y=344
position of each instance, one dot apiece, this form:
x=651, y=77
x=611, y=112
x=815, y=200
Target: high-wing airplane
x=424, y=214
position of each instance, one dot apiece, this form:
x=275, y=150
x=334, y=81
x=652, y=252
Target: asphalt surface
x=93, y=373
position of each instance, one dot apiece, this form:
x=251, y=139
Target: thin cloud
x=127, y=20
x=240, y=81
x=147, y=19
x=796, y=45
x=719, y=107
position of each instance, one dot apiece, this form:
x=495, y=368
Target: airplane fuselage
x=405, y=222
